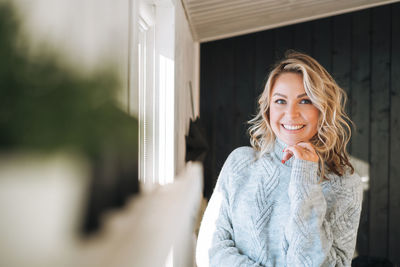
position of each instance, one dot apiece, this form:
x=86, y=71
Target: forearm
x=313, y=240
x=308, y=233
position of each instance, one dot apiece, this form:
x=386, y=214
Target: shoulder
x=236, y=164
x=240, y=158
x=243, y=152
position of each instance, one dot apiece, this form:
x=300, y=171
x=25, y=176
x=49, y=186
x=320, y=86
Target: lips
x=293, y=127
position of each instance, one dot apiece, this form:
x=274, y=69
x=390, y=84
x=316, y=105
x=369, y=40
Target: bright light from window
x=170, y=258
x=166, y=120
x=142, y=101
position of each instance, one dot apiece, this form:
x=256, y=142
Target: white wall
x=187, y=63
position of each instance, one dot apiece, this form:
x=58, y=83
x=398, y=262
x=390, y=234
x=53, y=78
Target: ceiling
x=216, y=19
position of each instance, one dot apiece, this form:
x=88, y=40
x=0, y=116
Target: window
x=155, y=85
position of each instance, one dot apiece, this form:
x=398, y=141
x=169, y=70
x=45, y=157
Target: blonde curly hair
x=334, y=129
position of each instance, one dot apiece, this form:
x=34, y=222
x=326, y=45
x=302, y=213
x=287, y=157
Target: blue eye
x=280, y=101
x=305, y=101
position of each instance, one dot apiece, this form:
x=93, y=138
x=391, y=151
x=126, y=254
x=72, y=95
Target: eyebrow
x=299, y=96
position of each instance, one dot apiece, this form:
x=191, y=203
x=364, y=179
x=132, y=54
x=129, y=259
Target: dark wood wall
x=362, y=51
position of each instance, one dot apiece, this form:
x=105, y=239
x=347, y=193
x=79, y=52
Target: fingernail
x=283, y=162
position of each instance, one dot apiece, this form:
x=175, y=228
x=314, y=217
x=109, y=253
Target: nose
x=292, y=111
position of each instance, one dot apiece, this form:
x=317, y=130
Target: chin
x=290, y=142
x=293, y=140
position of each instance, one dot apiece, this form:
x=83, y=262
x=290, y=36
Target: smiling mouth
x=293, y=127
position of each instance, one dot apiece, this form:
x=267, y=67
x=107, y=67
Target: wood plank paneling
x=322, y=42
x=379, y=143
x=283, y=41
x=244, y=88
x=224, y=100
x=208, y=80
x=360, y=110
x=264, y=49
x=303, y=37
x=341, y=54
x=394, y=181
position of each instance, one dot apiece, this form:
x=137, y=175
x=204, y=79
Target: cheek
x=273, y=115
x=274, y=121
x=314, y=117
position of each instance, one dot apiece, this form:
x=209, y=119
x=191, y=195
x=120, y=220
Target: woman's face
x=293, y=117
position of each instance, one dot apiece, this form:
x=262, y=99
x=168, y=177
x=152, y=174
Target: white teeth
x=292, y=127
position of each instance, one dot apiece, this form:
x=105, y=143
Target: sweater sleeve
x=312, y=239
x=215, y=244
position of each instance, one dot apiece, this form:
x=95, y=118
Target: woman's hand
x=302, y=150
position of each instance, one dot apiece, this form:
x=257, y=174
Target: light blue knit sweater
x=265, y=213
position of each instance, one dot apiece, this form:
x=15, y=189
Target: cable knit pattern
x=265, y=213
x=260, y=218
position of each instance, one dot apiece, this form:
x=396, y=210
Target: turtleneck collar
x=279, y=146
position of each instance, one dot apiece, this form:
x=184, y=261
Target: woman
x=293, y=198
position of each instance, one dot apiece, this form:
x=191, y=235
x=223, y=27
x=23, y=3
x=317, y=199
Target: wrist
x=304, y=171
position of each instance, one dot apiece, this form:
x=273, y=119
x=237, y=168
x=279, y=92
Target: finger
x=293, y=151
x=286, y=156
x=310, y=152
x=308, y=146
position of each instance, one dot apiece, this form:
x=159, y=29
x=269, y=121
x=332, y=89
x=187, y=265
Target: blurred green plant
x=45, y=107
